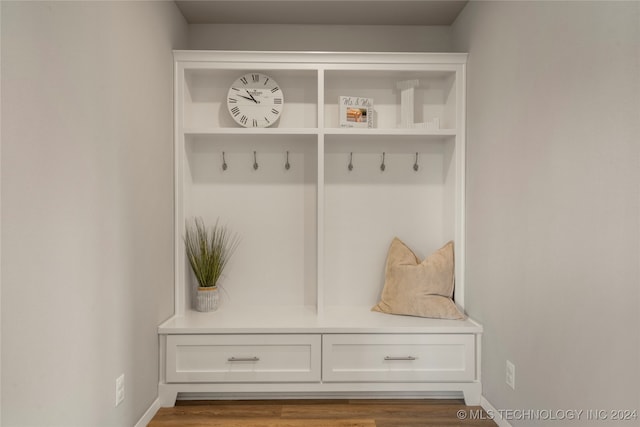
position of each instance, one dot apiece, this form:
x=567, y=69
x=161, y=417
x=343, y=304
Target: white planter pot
x=207, y=299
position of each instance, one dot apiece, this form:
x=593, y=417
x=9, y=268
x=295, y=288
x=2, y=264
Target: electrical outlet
x=119, y=389
x=511, y=375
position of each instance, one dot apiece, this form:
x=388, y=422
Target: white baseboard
x=493, y=413
x=148, y=415
x=484, y=403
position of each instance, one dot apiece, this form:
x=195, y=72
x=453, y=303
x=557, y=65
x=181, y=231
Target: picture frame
x=355, y=112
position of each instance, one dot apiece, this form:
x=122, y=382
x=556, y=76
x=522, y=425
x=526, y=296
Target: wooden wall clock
x=255, y=100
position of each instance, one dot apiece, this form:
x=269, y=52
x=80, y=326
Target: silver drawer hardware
x=243, y=359
x=400, y=358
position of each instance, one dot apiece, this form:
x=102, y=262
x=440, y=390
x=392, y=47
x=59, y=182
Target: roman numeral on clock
x=235, y=111
x=233, y=101
x=274, y=111
x=243, y=120
x=255, y=77
x=277, y=100
x=244, y=80
x=275, y=89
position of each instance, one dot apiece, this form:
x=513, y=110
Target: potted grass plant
x=208, y=251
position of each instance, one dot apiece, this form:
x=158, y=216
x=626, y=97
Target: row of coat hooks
x=287, y=165
x=225, y=166
x=383, y=166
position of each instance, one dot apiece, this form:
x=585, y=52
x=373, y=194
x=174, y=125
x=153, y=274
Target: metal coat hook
x=255, y=161
x=224, y=162
x=287, y=166
x=415, y=165
x=350, y=167
x=382, y=166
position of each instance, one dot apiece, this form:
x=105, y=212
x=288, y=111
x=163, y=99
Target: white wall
x=553, y=201
x=354, y=38
x=87, y=196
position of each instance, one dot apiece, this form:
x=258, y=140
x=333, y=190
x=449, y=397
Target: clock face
x=255, y=100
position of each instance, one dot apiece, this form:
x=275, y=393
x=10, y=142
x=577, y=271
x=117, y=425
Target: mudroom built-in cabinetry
x=316, y=196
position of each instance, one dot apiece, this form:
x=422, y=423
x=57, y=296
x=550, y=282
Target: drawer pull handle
x=400, y=358
x=243, y=359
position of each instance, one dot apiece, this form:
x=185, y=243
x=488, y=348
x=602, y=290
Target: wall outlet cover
x=511, y=375
x=119, y=389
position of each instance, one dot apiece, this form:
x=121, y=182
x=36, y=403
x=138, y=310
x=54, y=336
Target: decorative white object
x=298, y=320
x=407, y=103
x=407, y=107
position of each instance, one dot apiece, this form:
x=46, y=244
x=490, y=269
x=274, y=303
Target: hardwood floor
x=325, y=413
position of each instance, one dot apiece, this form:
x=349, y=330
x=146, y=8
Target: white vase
x=207, y=299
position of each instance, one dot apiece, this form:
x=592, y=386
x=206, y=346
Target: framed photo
x=356, y=112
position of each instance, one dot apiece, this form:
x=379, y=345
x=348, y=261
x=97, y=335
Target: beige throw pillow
x=415, y=288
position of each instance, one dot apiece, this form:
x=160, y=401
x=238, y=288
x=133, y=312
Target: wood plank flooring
x=322, y=413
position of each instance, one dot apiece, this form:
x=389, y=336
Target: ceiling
x=321, y=12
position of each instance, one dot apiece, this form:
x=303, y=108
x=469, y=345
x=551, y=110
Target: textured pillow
x=414, y=288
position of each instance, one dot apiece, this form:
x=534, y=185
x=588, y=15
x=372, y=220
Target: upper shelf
x=314, y=131
x=390, y=132
x=250, y=131
x=313, y=83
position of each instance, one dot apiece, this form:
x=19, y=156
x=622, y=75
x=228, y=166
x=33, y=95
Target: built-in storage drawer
x=398, y=357
x=243, y=358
